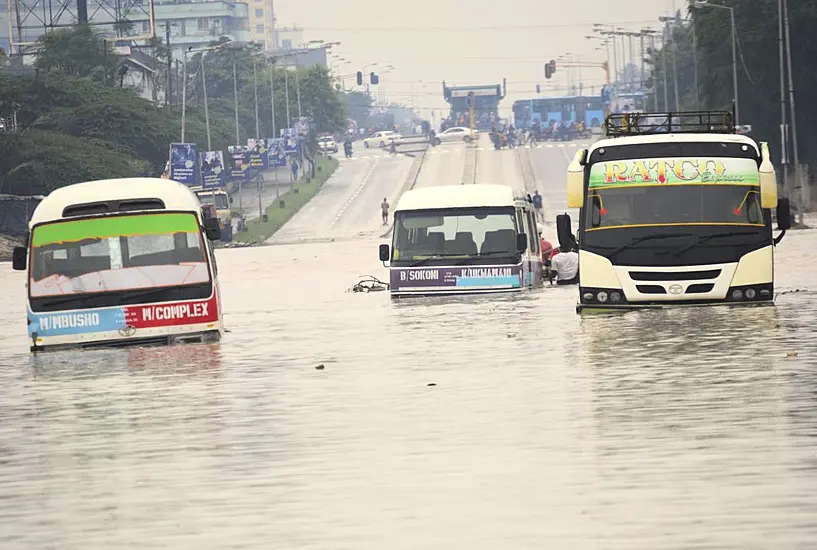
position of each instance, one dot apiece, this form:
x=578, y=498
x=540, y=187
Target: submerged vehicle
x=121, y=262
x=463, y=239
x=675, y=209
x=221, y=200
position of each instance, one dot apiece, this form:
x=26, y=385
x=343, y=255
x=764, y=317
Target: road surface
x=348, y=204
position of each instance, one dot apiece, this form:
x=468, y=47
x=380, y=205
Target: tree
x=319, y=99
x=758, y=65
x=358, y=107
x=76, y=51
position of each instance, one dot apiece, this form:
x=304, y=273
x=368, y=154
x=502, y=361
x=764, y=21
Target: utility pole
x=695, y=63
x=794, y=145
x=784, y=128
x=184, y=89
x=204, y=90
x=286, y=90
x=235, y=104
x=255, y=86
x=169, y=88
x=272, y=96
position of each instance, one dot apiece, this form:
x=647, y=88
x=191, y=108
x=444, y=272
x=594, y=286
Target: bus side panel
x=132, y=321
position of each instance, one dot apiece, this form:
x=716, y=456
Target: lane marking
x=355, y=195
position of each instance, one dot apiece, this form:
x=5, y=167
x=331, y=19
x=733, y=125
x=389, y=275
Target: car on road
x=381, y=139
x=457, y=133
x=327, y=144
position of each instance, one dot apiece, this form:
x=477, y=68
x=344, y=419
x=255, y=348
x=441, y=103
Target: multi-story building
x=197, y=24
x=262, y=22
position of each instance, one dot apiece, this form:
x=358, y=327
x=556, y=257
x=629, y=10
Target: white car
x=327, y=145
x=457, y=133
x=381, y=139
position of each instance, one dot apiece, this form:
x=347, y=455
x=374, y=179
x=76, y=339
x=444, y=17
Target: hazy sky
x=467, y=42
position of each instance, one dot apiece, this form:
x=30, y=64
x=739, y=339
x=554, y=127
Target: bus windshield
x=117, y=253
x=673, y=192
x=452, y=232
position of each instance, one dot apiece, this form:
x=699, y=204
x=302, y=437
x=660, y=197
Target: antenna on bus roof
x=690, y=122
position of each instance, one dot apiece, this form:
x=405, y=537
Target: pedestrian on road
x=294, y=168
x=393, y=149
x=537, y=204
x=384, y=207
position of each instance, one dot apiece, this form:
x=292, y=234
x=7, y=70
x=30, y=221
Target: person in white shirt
x=566, y=266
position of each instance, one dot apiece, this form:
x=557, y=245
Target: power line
x=480, y=28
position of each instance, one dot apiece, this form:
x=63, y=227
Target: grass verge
x=258, y=230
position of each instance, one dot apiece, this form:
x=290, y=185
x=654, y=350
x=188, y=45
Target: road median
x=259, y=230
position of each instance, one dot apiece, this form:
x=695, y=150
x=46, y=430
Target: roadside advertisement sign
x=275, y=152
x=183, y=163
x=259, y=160
x=240, y=156
x=213, y=173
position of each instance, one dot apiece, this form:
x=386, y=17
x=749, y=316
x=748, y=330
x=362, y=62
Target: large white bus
x=679, y=217
x=121, y=262
x=463, y=239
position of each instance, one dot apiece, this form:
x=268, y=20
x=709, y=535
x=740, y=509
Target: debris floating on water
x=319, y=367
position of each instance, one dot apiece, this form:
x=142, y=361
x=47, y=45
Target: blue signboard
x=183, y=163
x=240, y=168
x=213, y=173
x=259, y=160
x=275, y=152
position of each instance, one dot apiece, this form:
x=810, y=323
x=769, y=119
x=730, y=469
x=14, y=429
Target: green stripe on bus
x=114, y=226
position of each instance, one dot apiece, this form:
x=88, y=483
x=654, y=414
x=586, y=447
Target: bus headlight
x=750, y=293
x=591, y=295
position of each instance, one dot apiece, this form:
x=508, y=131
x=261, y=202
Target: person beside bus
x=566, y=267
x=537, y=205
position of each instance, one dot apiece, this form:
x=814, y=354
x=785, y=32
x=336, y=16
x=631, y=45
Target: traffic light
x=359, y=78
x=374, y=79
x=538, y=89
x=471, y=103
x=550, y=68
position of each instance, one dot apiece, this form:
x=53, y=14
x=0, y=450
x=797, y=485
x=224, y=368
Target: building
x=197, y=24
x=262, y=22
x=288, y=38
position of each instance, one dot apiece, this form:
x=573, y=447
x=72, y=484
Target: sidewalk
x=276, y=181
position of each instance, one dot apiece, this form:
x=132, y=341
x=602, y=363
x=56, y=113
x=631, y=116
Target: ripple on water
x=689, y=428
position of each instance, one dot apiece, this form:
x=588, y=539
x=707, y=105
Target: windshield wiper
x=85, y=294
x=640, y=240
x=704, y=238
x=435, y=257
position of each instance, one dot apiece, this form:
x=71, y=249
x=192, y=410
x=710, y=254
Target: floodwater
x=481, y=423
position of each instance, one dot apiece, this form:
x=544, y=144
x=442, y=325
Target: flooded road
x=482, y=423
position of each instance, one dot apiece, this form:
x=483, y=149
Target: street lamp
x=203, y=52
x=705, y=4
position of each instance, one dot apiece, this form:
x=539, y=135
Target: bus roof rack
x=690, y=122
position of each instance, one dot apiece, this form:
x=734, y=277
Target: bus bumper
x=200, y=337
x=618, y=308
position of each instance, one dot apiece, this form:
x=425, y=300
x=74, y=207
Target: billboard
x=213, y=173
x=183, y=163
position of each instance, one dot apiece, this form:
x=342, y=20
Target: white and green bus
x=675, y=209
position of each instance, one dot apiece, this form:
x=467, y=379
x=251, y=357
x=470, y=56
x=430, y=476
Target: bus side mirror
x=384, y=253
x=521, y=242
x=768, y=179
x=575, y=180
x=212, y=229
x=564, y=232
x=783, y=214
x=19, y=258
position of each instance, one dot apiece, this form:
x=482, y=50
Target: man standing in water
x=384, y=208
x=566, y=266
x=537, y=204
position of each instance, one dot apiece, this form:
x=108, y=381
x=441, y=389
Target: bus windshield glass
x=673, y=192
x=455, y=232
x=117, y=253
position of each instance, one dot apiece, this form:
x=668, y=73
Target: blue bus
x=589, y=109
